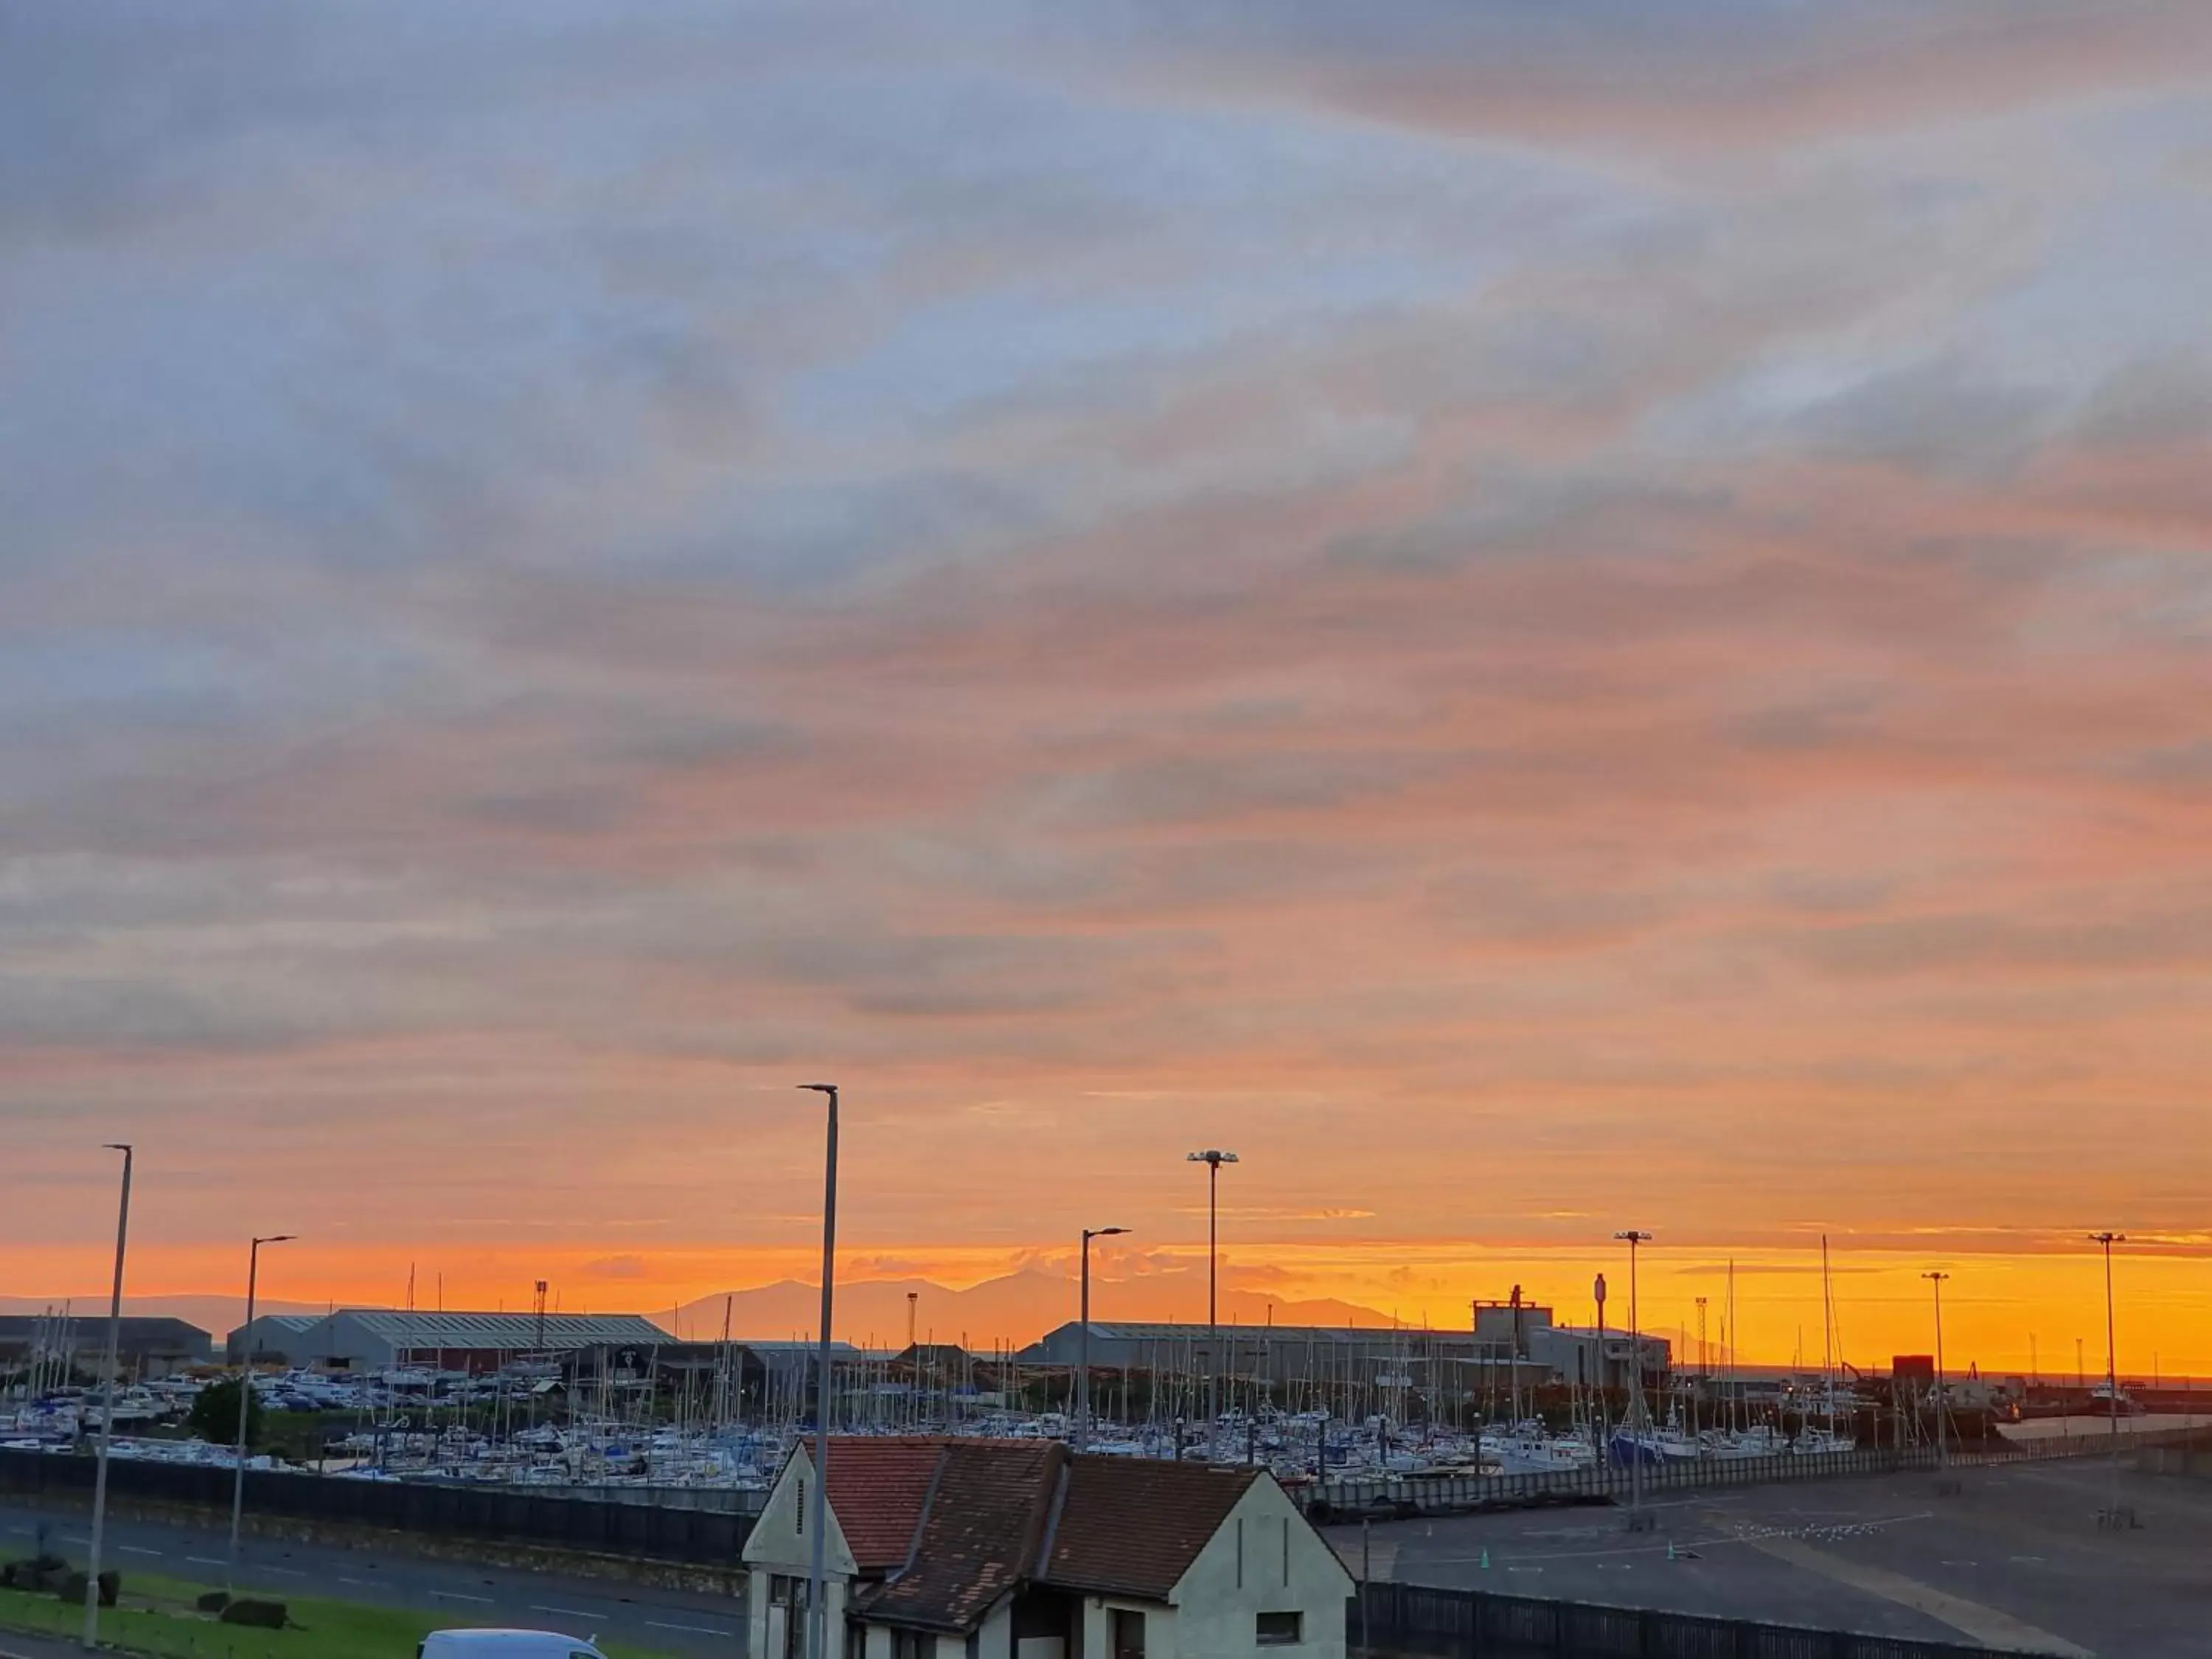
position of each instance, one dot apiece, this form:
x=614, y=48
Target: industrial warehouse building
x=1508, y=1339
x=378, y=1339
x=748, y=1375
x=148, y=1347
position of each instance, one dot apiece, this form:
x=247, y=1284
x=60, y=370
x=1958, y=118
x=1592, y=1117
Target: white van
x=504, y=1645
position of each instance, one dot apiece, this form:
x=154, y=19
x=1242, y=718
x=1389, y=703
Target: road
x=669, y=1621
x=2013, y=1558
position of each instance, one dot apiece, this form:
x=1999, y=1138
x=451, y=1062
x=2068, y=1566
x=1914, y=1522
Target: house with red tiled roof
x=958, y=1548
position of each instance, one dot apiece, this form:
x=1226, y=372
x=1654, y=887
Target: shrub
x=73, y=1585
x=262, y=1615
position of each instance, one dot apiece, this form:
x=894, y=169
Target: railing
x=1450, y=1624
x=691, y=1532
x=1418, y=1494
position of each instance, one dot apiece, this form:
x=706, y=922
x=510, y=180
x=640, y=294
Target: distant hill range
x=1016, y=1309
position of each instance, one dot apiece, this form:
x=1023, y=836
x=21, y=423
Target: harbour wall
x=679, y=1527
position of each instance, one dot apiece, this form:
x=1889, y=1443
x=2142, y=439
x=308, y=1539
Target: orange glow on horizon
x=1993, y=1306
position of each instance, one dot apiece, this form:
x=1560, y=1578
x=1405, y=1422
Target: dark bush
x=214, y=1600
x=71, y=1588
x=262, y=1615
x=37, y=1572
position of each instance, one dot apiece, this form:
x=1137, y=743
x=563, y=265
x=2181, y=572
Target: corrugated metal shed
x=415, y=1331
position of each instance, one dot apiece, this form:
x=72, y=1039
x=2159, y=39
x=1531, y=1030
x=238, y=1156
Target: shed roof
x=1131, y=1525
x=409, y=1330
x=878, y=1485
x=979, y=1534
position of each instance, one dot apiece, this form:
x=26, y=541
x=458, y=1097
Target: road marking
x=133, y=1549
x=76, y=1540
x=461, y=1596
x=289, y=1572
x=205, y=1561
x=695, y=1630
x=363, y=1583
x=566, y=1613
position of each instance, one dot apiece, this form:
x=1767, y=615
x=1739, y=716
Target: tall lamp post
x=1632, y=1237
x=1213, y=1160
x=817, y=1626
x=2111, y=1356
x=1082, y=1341
x=1942, y=1451
x=107, y=1406
x=245, y=1399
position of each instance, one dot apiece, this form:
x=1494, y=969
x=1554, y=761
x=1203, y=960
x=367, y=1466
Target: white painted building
x=950, y=1548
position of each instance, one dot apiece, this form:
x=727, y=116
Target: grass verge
x=157, y=1617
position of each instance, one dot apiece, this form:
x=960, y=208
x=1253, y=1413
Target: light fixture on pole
x=1942, y=1451
x=1213, y=1160
x=1632, y=1237
x=245, y=1399
x=107, y=1405
x=2111, y=1358
x=817, y=1629
x=1082, y=1341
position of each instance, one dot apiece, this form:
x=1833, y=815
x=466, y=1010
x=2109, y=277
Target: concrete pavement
x=2014, y=1557
x=671, y=1620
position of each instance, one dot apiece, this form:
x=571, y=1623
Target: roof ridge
x=1039, y=1563
x=928, y=1504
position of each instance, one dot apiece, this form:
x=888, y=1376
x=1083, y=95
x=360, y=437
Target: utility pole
x=1942, y=1448
x=107, y=1405
x=1214, y=1159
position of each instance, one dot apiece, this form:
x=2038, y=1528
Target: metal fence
x=1450, y=1624
x=690, y=1535
x=1418, y=1494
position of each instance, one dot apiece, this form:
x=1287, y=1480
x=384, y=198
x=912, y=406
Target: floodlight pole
x=817, y=1626
x=107, y=1407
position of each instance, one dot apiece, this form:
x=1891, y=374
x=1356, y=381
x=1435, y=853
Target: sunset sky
x=1543, y=618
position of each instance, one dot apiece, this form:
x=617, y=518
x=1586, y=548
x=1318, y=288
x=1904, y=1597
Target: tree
x=214, y=1415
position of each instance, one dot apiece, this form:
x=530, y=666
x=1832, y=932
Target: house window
x=801, y=1484
x=1128, y=1633
x=1280, y=1630
x=856, y=1640
x=913, y=1644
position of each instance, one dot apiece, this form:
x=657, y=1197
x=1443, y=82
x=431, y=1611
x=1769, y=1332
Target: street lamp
x=817, y=1630
x=245, y=1397
x=1632, y=1237
x=2111, y=1358
x=107, y=1406
x=1943, y=1452
x=1213, y=1160
x=1082, y=1341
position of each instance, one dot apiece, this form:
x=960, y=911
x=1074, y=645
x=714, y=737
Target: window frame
x=1261, y=1637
